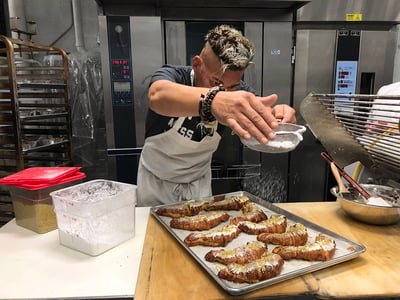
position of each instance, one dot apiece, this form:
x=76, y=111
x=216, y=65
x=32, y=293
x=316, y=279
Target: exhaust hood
x=159, y=7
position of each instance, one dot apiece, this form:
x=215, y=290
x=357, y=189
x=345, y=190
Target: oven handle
x=125, y=152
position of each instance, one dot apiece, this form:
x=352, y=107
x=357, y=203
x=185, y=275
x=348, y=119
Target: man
x=185, y=105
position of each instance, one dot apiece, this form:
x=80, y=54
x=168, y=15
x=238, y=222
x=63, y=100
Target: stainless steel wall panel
x=314, y=62
x=175, y=42
x=147, y=53
x=253, y=74
x=226, y=13
x=336, y=10
x=314, y=71
x=105, y=65
x=377, y=51
x=277, y=52
x=277, y=74
x=108, y=115
x=396, y=64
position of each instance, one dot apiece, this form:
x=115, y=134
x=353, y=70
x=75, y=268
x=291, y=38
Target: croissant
x=275, y=224
x=199, y=222
x=189, y=208
x=264, y=268
x=215, y=238
x=321, y=250
x=240, y=255
x=251, y=212
x=296, y=235
x=231, y=203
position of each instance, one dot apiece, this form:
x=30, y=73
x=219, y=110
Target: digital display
x=346, y=79
x=122, y=86
x=120, y=62
x=346, y=75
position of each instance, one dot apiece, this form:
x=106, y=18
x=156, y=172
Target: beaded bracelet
x=205, y=104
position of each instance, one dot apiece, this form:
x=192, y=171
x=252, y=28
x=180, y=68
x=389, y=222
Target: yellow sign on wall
x=353, y=17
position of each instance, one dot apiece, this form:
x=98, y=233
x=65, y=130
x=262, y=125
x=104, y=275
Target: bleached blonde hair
x=234, y=51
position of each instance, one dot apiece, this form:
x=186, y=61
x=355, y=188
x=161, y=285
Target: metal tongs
x=346, y=176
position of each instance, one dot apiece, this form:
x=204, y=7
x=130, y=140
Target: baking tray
x=345, y=248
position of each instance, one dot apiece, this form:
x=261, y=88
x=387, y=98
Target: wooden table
x=167, y=271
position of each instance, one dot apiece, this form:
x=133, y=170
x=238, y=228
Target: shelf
x=37, y=94
x=40, y=68
x=41, y=85
x=44, y=116
x=45, y=147
x=5, y=126
x=42, y=105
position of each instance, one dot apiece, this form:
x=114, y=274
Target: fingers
x=250, y=116
x=269, y=100
x=253, y=117
x=244, y=128
x=259, y=125
x=285, y=113
x=259, y=120
x=263, y=108
x=239, y=130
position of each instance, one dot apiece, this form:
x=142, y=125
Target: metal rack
x=35, y=116
x=357, y=127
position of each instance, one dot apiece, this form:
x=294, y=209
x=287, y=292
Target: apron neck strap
x=192, y=77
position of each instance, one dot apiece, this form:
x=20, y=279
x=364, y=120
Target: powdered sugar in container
x=95, y=216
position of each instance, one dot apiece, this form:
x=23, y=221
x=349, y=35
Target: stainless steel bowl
x=369, y=213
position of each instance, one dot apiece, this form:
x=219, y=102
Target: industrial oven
x=134, y=46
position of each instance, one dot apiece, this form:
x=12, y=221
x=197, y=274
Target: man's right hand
x=246, y=114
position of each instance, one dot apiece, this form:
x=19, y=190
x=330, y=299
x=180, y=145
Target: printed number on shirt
x=186, y=132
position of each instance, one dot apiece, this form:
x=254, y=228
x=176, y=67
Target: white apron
x=173, y=168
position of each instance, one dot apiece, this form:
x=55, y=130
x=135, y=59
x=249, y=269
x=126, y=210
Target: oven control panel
x=119, y=41
x=121, y=81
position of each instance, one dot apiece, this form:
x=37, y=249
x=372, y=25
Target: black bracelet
x=205, y=104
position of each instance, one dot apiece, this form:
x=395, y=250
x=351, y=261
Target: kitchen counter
x=168, y=271
x=36, y=266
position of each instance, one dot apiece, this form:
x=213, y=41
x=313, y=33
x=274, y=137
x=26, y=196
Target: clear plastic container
x=95, y=216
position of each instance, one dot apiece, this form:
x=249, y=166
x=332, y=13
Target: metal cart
x=35, y=116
